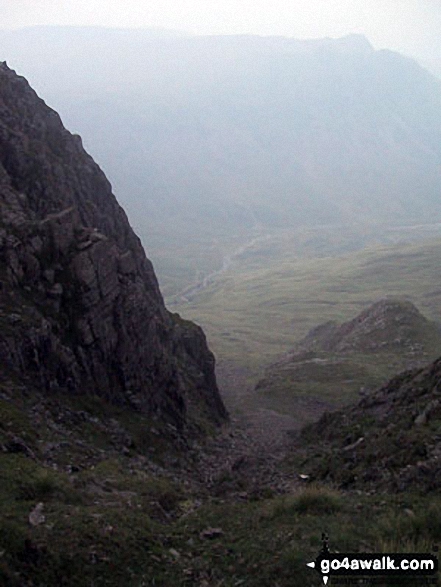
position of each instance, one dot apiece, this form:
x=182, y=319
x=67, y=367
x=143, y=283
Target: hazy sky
x=409, y=26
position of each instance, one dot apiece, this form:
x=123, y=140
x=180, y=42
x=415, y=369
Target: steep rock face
x=81, y=309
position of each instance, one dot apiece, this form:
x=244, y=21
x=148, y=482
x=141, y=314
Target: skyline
x=410, y=27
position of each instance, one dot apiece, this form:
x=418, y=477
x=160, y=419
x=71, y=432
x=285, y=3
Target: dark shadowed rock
x=81, y=310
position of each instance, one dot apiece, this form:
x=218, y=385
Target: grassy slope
x=114, y=522
x=260, y=308
x=305, y=391
x=368, y=359
x=389, y=441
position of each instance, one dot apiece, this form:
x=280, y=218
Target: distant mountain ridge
x=236, y=131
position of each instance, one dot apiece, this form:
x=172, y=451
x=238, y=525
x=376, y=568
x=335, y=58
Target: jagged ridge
x=387, y=324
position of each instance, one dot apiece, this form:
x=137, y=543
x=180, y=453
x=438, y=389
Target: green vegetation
x=109, y=516
x=389, y=441
x=114, y=537
x=258, y=310
x=335, y=382
x=314, y=500
x=336, y=363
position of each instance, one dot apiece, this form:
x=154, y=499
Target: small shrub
x=164, y=492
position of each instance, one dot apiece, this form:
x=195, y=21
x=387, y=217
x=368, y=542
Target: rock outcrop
x=335, y=363
x=80, y=306
x=388, y=441
x=390, y=324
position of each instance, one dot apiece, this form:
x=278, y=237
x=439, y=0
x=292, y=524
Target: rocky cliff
x=80, y=306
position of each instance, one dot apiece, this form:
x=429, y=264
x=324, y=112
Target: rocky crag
x=335, y=362
x=389, y=441
x=386, y=324
x=80, y=307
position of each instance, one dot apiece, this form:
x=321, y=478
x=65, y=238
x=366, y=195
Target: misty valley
x=219, y=306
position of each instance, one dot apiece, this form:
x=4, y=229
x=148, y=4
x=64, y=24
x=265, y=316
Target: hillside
x=102, y=389
x=277, y=291
x=388, y=441
x=107, y=475
x=335, y=363
x=219, y=136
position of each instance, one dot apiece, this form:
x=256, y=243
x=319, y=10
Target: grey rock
x=92, y=317
x=211, y=533
x=424, y=416
x=36, y=517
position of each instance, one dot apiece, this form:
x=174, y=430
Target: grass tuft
x=314, y=500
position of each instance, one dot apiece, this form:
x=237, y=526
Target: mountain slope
x=389, y=440
x=81, y=307
x=334, y=363
x=387, y=324
x=230, y=133
x=277, y=292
